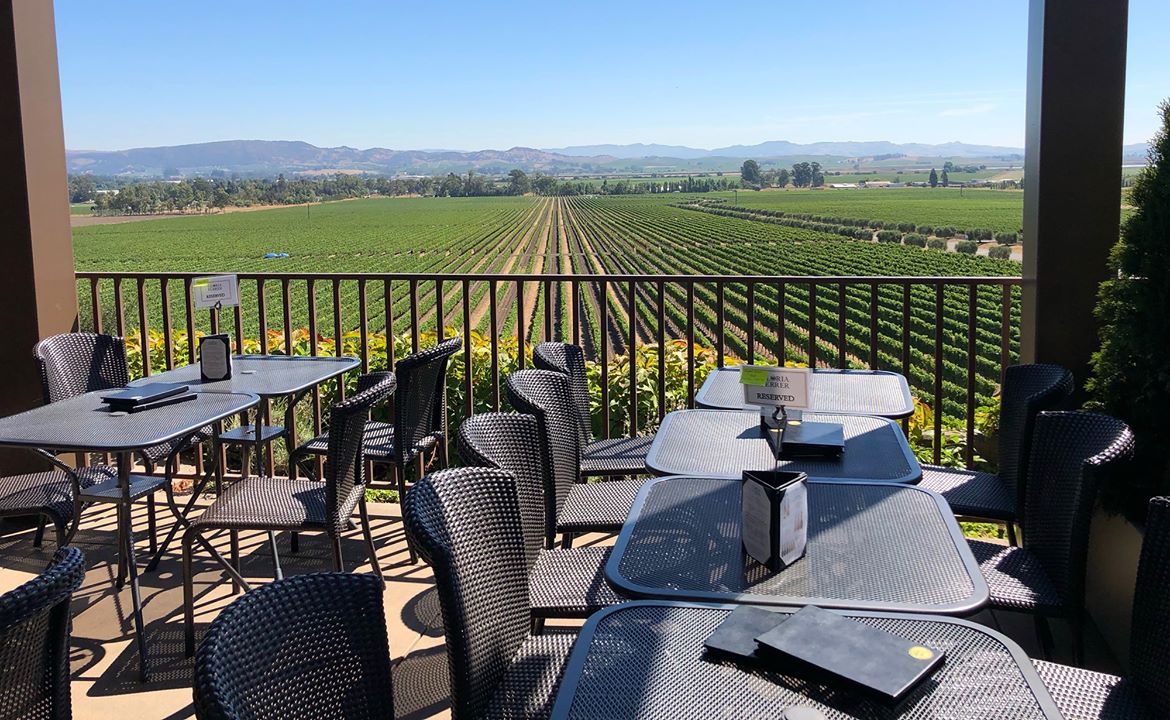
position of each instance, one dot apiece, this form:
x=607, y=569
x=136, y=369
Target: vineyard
x=890, y=325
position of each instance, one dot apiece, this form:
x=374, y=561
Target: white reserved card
x=775, y=386
x=216, y=290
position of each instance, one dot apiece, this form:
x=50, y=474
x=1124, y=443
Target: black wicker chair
x=312, y=646
x=420, y=418
x=562, y=582
x=575, y=507
x=284, y=504
x=1145, y=693
x=464, y=522
x=1046, y=577
x=599, y=458
x=34, y=641
x=1027, y=390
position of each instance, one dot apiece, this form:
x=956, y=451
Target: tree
x=933, y=178
x=750, y=172
x=1131, y=370
x=782, y=177
x=945, y=180
x=816, y=177
x=82, y=188
x=802, y=174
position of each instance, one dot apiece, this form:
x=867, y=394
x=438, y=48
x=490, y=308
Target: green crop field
x=596, y=235
x=997, y=210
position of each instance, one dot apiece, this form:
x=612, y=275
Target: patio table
x=724, y=443
x=84, y=424
x=846, y=392
x=646, y=660
x=870, y=546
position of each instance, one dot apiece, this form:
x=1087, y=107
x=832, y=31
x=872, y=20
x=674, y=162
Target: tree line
x=803, y=174
x=115, y=196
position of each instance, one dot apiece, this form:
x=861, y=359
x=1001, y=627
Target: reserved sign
x=775, y=386
x=216, y=291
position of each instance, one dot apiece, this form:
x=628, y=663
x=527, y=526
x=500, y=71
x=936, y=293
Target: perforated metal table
x=85, y=424
x=870, y=546
x=845, y=392
x=645, y=660
x=724, y=443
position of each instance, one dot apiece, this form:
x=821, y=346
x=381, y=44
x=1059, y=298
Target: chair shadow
x=422, y=684
x=420, y=610
x=167, y=664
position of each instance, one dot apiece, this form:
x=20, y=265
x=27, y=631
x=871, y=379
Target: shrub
x=927, y=230
x=945, y=232
x=915, y=239
x=863, y=234
x=889, y=236
x=980, y=234
x=936, y=244
x=1006, y=238
x=906, y=227
x=1131, y=370
x=967, y=246
x=1000, y=252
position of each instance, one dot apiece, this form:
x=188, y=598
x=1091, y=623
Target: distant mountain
x=270, y=157
x=783, y=148
x=1135, y=153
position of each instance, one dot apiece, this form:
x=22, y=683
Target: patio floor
x=105, y=661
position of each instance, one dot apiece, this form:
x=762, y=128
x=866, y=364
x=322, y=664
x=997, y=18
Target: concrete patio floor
x=105, y=662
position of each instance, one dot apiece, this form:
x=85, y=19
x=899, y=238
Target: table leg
x=127, y=550
x=216, y=471
x=259, y=445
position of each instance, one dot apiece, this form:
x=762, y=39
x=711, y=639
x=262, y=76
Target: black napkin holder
x=215, y=358
x=768, y=534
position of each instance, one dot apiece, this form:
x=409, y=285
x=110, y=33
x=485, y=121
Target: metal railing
x=951, y=336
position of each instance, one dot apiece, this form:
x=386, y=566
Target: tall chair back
x=76, y=363
x=1071, y=451
x=1027, y=390
x=570, y=361
x=420, y=404
x=1149, y=654
x=345, y=479
x=511, y=442
x=465, y=522
x=308, y=646
x=545, y=395
x=34, y=641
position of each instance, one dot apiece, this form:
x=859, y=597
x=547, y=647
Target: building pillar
x=38, y=294
x=1072, y=173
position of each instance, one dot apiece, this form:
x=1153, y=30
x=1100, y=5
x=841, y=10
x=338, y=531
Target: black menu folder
x=829, y=647
x=735, y=637
x=145, y=397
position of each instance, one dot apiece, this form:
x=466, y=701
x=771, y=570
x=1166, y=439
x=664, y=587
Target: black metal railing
x=951, y=336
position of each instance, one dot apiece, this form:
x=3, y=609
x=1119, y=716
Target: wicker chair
x=34, y=641
x=284, y=504
x=562, y=582
x=599, y=458
x=1083, y=694
x=465, y=523
x=420, y=418
x=1046, y=577
x=309, y=646
x=576, y=507
x=1027, y=390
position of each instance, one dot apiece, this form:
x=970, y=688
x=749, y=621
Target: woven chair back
x=34, y=641
x=465, y=522
x=76, y=363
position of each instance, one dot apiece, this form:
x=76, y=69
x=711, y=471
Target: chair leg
x=420, y=466
x=1077, y=622
x=294, y=541
x=1043, y=636
x=152, y=523
x=444, y=452
x=122, y=570
x=338, y=561
x=567, y=540
x=39, y=537
x=62, y=534
x=1011, y=534
x=277, y=572
x=399, y=470
x=235, y=554
x=188, y=594
x=373, y=551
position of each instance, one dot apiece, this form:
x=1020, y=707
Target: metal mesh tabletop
x=264, y=375
x=724, y=443
x=645, y=660
x=879, y=547
x=852, y=392
x=84, y=423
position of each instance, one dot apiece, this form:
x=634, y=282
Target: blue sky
x=404, y=75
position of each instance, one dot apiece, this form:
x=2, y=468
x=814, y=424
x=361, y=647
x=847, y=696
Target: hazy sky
x=548, y=74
